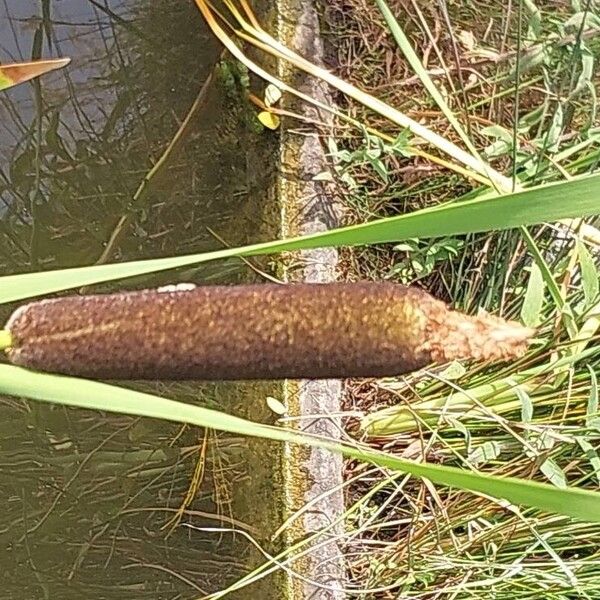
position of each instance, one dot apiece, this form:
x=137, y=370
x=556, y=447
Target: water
x=88, y=498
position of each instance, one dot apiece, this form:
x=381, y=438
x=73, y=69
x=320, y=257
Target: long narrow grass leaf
x=536, y=205
x=93, y=395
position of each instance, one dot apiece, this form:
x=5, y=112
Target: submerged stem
x=5, y=339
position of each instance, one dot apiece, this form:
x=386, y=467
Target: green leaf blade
x=537, y=205
x=534, y=297
x=93, y=395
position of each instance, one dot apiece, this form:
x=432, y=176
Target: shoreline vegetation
x=521, y=81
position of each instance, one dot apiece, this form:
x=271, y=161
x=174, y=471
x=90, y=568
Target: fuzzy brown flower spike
x=254, y=332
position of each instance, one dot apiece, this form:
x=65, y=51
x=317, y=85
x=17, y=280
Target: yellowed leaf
x=323, y=176
x=16, y=73
x=269, y=120
x=467, y=39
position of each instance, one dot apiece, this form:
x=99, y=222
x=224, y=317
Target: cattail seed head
x=254, y=332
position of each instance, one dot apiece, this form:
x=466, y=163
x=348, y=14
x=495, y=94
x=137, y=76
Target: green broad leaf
x=536, y=205
x=497, y=149
x=534, y=297
x=526, y=404
x=408, y=246
x=554, y=473
x=529, y=120
x=380, y=168
x=553, y=288
x=462, y=429
x=485, y=453
x=534, y=22
x=531, y=58
x=556, y=129
x=93, y=395
x=585, y=79
x=592, y=418
x=498, y=132
x=589, y=274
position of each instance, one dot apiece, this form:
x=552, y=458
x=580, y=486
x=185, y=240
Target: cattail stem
x=6, y=340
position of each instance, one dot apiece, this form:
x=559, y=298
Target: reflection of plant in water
x=217, y=459
x=87, y=491
x=234, y=79
x=89, y=494
x=78, y=169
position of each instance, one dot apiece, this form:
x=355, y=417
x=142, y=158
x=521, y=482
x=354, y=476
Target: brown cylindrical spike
x=254, y=332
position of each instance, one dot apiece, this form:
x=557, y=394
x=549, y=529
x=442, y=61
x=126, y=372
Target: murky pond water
x=98, y=505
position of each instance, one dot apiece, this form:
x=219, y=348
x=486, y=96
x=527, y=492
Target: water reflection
x=90, y=501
